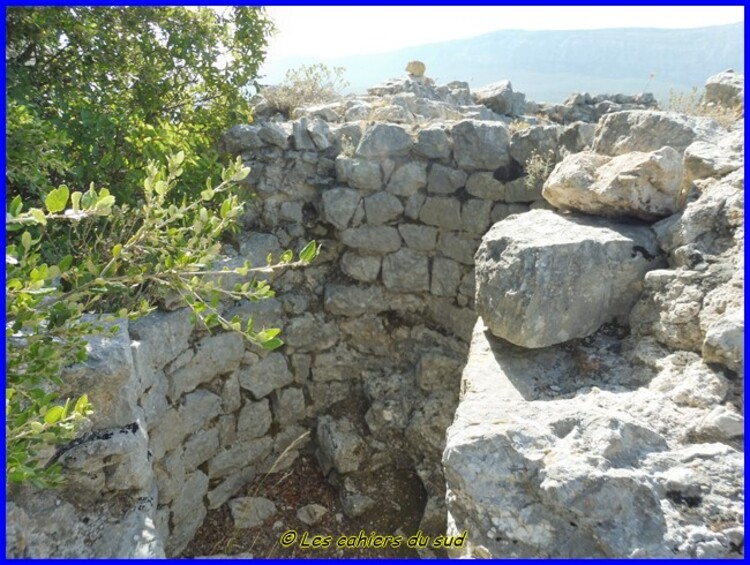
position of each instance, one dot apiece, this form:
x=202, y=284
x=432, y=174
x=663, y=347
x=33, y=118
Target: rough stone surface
x=384, y=140
x=408, y=179
x=726, y=89
x=419, y=238
x=382, y=208
x=647, y=130
x=311, y=514
x=250, y=512
x=359, y=173
x=445, y=180
x=339, y=446
x=362, y=268
x=406, y=271
x=265, y=376
x=339, y=205
x=480, y=145
x=433, y=143
x=500, y=98
x=373, y=239
x=639, y=185
x=441, y=212
x=543, y=278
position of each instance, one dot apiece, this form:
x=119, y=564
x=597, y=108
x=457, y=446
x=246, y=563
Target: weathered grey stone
x=154, y=400
x=382, y=208
x=198, y=409
x=362, y=268
x=214, y=355
x=167, y=435
x=433, y=143
x=159, y=337
x=373, y=239
x=288, y=405
x=384, y=140
x=722, y=423
x=484, y=185
x=500, y=98
x=42, y=524
x=724, y=342
x=320, y=133
x=445, y=180
x=647, y=130
x=335, y=365
x=246, y=454
x=227, y=426
x=311, y=514
x=414, y=205
x=480, y=145
x=596, y=449
x=276, y=134
x=300, y=136
x=108, y=376
x=265, y=376
x=475, y=215
x=544, y=279
x=640, y=185
x=88, y=466
x=188, y=513
x=266, y=313
x=542, y=140
x=575, y=137
x=251, y=512
x=367, y=334
x=502, y=211
x=310, y=332
x=408, y=179
x=459, y=247
x=254, y=420
x=354, y=300
x=339, y=446
x=420, y=238
x=406, y=271
x=441, y=212
x=339, y=205
x=454, y=319
x=716, y=158
x=435, y=371
x=300, y=367
x=291, y=212
x=686, y=380
x=446, y=276
x=726, y=89
x=199, y=447
x=359, y=173
x=241, y=138
x=170, y=475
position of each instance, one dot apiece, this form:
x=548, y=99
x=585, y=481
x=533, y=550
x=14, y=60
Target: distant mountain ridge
x=549, y=65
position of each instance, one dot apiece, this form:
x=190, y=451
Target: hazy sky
x=332, y=31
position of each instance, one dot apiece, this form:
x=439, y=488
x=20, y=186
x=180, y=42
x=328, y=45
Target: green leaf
x=66, y=262
x=82, y=405
x=309, y=252
x=207, y=194
x=75, y=200
x=54, y=414
x=287, y=256
x=16, y=206
x=26, y=240
x=241, y=174
x=57, y=199
x=116, y=250
x=226, y=206
x=160, y=187
x=272, y=344
x=38, y=216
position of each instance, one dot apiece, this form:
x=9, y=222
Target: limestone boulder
x=480, y=145
x=543, y=278
x=500, y=98
x=725, y=89
x=648, y=130
x=640, y=185
x=384, y=140
x=359, y=173
x=340, y=446
x=716, y=158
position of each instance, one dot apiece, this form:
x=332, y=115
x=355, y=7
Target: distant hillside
x=549, y=65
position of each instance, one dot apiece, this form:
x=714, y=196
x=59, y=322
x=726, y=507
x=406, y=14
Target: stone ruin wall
x=376, y=331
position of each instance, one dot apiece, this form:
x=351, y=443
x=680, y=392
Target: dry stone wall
x=399, y=187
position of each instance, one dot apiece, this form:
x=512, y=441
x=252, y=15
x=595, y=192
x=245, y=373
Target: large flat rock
x=544, y=278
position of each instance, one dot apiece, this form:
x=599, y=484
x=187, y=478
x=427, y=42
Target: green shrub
x=105, y=89
x=170, y=250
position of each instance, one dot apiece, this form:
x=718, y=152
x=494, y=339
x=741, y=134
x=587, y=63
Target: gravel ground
x=302, y=484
